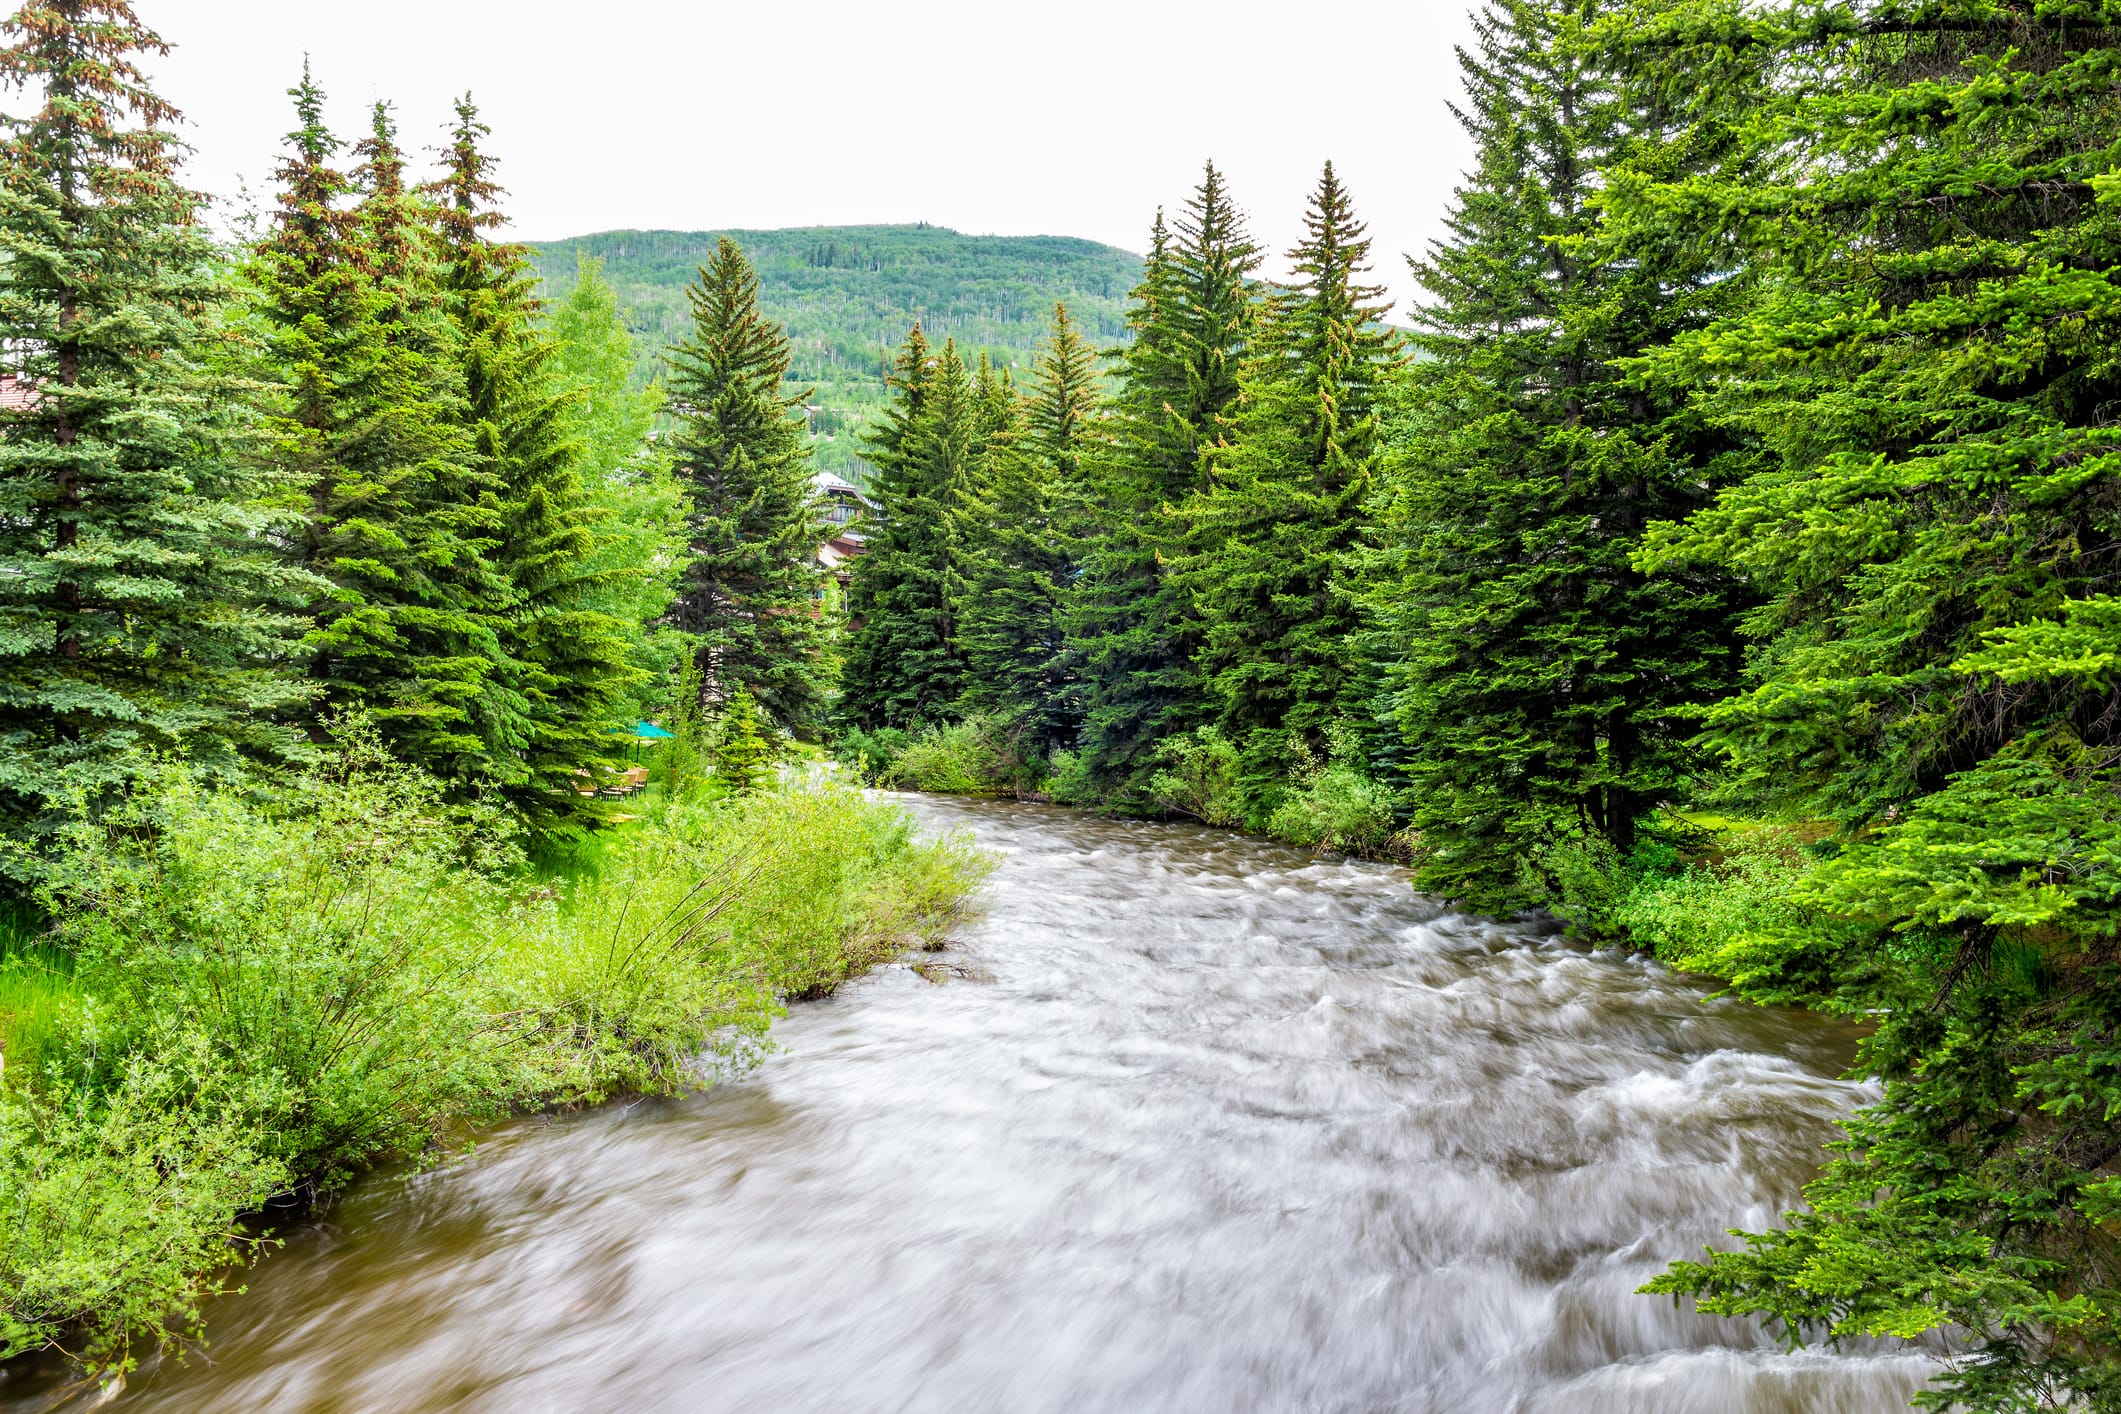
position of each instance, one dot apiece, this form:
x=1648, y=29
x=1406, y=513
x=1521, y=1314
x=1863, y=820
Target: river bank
x=245, y=1006
x=1202, y=1123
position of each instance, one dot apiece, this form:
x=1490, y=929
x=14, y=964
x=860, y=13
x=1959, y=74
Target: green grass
x=40, y=1007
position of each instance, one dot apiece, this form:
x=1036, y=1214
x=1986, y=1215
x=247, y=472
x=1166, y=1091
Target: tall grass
x=236, y=1002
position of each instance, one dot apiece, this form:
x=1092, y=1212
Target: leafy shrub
x=1069, y=782
x=872, y=756
x=113, y=1205
x=1336, y=805
x=1339, y=808
x=1198, y=777
x=977, y=756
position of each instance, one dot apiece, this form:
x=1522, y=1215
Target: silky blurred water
x=1189, y=1123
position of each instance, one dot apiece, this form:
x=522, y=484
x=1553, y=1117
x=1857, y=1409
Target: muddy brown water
x=1189, y=1123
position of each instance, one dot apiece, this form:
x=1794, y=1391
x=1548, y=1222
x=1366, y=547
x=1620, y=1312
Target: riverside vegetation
x=1720, y=565
x=336, y=571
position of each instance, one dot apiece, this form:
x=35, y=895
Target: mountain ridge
x=848, y=295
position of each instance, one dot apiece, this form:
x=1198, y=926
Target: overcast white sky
x=1073, y=119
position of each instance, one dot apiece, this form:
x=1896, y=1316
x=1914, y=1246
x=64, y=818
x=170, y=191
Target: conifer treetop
x=78, y=55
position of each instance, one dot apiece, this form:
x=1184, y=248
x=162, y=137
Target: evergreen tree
x=1130, y=624
x=632, y=490
x=141, y=604
x=569, y=672
x=752, y=589
x=743, y=757
x=1019, y=667
x=905, y=665
x=367, y=414
x=1926, y=191
x=1535, y=672
x=1281, y=651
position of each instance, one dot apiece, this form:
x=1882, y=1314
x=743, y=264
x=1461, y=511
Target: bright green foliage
x=749, y=598
x=1273, y=532
x=1924, y=189
x=1192, y=318
x=638, y=502
x=366, y=413
x=1533, y=671
x=570, y=666
x=743, y=755
x=905, y=665
x=141, y=606
x=1197, y=776
x=1019, y=667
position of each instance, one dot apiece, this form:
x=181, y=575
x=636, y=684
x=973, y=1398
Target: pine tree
x=1278, y=525
x=569, y=673
x=141, y=604
x=752, y=589
x=743, y=757
x=1534, y=672
x=1019, y=667
x=1131, y=626
x=905, y=666
x=1927, y=194
x=367, y=414
x=629, y=479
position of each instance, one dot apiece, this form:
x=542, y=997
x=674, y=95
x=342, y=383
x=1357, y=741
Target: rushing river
x=1191, y=1123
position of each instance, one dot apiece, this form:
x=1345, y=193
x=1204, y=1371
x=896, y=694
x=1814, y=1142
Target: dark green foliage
x=569, y=666
x=1280, y=654
x=1926, y=192
x=1020, y=669
x=749, y=599
x=1533, y=670
x=141, y=606
x=847, y=295
x=1192, y=319
x=367, y=414
x=905, y=665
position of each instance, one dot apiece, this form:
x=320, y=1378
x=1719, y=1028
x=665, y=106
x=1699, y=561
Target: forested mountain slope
x=849, y=293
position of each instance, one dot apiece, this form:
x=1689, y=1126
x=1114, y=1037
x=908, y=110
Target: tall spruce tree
x=142, y=606
x=1535, y=673
x=751, y=591
x=367, y=414
x=905, y=664
x=628, y=475
x=1130, y=624
x=1928, y=192
x=1276, y=529
x=1019, y=667
x=569, y=669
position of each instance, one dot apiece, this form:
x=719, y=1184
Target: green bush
x=1336, y=805
x=116, y=1205
x=872, y=756
x=978, y=756
x=339, y=955
x=1340, y=808
x=1198, y=777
